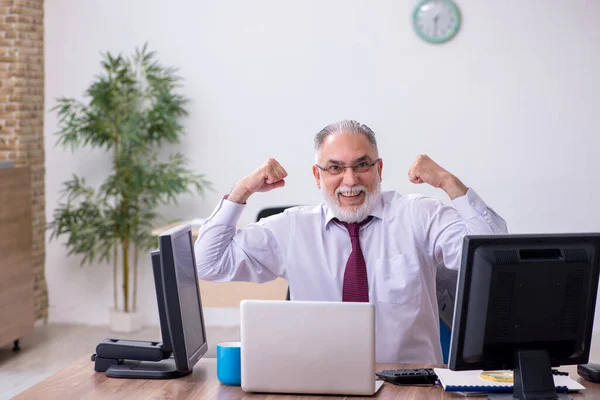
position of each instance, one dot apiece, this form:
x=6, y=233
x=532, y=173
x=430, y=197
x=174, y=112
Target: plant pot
x=126, y=322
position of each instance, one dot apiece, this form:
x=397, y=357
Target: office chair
x=445, y=286
x=267, y=212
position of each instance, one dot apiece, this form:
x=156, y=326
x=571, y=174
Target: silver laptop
x=314, y=347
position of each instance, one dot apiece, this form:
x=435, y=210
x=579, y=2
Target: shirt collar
x=376, y=212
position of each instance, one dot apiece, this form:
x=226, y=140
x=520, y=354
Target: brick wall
x=22, y=115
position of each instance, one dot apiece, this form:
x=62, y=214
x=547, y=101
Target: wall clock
x=436, y=21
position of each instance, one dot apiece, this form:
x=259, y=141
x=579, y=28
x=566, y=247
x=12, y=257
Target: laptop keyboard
x=419, y=376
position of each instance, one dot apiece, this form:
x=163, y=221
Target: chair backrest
x=267, y=212
x=446, y=294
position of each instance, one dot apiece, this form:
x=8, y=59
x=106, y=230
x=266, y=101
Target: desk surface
x=78, y=381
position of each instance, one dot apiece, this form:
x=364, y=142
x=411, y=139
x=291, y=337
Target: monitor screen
x=187, y=286
x=183, y=304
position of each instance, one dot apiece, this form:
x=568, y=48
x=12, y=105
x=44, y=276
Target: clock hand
x=435, y=23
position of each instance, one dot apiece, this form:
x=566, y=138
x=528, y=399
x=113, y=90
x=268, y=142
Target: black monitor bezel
x=470, y=245
x=183, y=361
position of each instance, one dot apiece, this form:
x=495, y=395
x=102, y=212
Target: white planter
x=125, y=322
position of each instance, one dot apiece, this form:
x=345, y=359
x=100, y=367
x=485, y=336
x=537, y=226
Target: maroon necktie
x=356, y=284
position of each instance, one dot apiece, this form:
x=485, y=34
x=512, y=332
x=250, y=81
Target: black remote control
x=420, y=376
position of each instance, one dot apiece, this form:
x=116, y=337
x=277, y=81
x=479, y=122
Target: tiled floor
x=51, y=347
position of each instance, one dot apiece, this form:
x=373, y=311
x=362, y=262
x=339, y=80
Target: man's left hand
x=425, y=170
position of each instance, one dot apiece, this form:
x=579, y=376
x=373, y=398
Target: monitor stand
x=164, y=369
x=533, y=378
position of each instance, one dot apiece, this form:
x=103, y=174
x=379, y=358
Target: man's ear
x=317, y=176
x=379, y=169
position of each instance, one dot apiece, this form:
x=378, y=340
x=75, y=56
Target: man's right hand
x=267, y=177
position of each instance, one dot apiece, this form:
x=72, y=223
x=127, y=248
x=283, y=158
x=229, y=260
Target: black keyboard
x=420, y=376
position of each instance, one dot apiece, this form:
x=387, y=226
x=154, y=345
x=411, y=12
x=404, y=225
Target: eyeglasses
x=360, y=168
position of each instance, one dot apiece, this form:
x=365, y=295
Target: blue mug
x=229, y=368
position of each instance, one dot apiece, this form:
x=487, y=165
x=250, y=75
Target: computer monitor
x=183, y=305
x=525, y=302
x=180, y=315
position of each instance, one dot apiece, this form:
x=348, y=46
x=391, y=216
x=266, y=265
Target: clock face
x=436, y=21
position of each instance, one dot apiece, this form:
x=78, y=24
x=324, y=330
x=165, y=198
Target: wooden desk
x=79, y=381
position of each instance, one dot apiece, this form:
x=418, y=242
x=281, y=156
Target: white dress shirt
x=409, y=236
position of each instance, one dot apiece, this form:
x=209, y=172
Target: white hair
x=346, y=125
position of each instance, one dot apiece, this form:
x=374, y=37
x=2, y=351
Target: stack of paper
x=470, y=381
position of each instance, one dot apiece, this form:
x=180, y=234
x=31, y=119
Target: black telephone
x=590, y=372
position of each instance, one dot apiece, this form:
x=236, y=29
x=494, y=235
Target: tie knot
x=354, y=227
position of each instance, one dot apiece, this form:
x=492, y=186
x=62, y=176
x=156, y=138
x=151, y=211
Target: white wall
x=511, y=105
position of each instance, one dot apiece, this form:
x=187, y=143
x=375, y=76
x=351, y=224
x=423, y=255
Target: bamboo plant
x=133, y=111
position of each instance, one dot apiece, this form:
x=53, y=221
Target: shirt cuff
x=227, y=213
x=470, y=205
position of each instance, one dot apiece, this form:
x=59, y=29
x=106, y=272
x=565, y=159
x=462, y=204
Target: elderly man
x=361, y=244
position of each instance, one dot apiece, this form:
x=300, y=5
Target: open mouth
x=351, y=197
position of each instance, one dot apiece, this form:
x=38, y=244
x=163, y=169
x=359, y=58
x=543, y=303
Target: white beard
x=345, y=214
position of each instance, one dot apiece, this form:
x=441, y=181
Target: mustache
x=351, y=190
